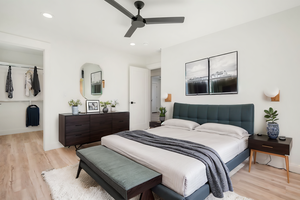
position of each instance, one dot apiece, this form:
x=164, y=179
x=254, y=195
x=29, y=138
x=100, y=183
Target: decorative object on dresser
x=92, y=106
x=162, y=114
x=90, y=127
x=74, y=105
x=154, y=124
x=104, y=104
x=114, y=103
x=263, y=144
x=272, y=126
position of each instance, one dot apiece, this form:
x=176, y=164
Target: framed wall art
x=223, y=73
x=213, y=75
x=92, y=106
x=196, y=77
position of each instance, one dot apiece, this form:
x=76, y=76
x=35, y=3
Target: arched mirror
x=91, y=81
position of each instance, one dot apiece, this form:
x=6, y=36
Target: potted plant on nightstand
x=104, y=104
x=272, y=126
x=162, y=115
x=74, y=105
x=113, y=105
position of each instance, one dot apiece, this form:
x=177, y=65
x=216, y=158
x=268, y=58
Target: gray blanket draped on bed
x=216, y=171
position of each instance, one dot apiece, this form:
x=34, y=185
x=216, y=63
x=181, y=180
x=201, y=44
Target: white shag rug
x=64, y=186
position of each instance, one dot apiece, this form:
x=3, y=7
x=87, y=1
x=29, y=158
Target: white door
x=139, y=98
x=154, y=97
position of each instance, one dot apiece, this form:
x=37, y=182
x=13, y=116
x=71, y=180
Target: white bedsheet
x=181, y=173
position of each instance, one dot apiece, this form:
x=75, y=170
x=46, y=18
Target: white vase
x=113, y=109
x=75, y=110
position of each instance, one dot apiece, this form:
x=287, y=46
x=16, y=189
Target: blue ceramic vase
x=273, y=130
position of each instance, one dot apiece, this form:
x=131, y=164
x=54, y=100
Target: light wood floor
x=23, y=159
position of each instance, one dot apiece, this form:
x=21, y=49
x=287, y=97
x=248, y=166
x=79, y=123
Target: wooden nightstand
x=154, y=124
x=263, y=144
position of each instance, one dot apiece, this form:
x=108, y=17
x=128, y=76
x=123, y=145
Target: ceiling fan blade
x=130, y=31
x=164, y=20
x=120, y=8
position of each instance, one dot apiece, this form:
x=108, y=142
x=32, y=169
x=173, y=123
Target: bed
x=179, y=171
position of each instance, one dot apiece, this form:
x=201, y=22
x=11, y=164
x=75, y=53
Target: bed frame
x=241, y=115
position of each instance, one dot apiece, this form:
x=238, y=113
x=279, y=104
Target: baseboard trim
x=17, y=131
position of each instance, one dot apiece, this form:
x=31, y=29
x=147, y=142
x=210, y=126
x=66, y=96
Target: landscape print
x=223, y=73
x=196, y=77
x=213, y=75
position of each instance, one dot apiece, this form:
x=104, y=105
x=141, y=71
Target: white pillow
x=223, y=129
x=180, y=123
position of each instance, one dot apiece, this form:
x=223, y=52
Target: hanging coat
x=9, y=84
x=35, y=83
x=28, y=82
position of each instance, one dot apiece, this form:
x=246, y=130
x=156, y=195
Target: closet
x=13, y=111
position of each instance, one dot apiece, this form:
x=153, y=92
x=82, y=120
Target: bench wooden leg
x=147, y=195
x=79, y=169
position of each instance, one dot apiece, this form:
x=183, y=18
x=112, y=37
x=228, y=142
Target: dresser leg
x=254, y=157
x=287, y=168
x=250, y=159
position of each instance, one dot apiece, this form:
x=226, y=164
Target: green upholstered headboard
x=241, y=115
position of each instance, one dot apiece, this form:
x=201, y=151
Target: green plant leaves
x=74, y=103
x=271, y=115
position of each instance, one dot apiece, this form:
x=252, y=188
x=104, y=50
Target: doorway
x=13, y=111
x=155, y=94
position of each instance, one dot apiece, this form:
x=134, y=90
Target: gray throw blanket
x=9, y=84
x=216, y=171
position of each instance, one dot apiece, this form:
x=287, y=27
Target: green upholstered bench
x=121, y=177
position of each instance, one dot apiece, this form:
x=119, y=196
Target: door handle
x=132, y=102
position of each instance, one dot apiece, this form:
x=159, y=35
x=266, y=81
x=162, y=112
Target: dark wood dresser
x=90, y=127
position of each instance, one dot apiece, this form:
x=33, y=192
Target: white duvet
x=181, y=173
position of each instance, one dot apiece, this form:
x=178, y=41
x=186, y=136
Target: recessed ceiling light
x=47, y=15
x=132, y=44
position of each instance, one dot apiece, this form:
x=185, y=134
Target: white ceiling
x=98, y=22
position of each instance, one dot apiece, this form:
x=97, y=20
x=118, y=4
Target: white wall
x=13, y=114
x=62, y=62
x=268, y=51
x=15, y=56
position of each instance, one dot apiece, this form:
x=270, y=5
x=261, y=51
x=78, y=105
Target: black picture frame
x=224, y=73
x=196, y=77
x=212, y=76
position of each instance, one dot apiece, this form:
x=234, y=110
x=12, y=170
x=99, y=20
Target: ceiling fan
x=138, y=21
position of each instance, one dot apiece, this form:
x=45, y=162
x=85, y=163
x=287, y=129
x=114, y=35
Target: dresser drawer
x=77, y=120
x=120, y=122
x=99, y=122
x=77, y=138
x=270, y=147
x=78, y=128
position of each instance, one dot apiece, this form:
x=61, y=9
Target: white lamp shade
x=164, y=96
x=271, y=92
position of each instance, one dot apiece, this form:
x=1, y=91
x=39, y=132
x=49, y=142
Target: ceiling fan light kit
x=138, y=21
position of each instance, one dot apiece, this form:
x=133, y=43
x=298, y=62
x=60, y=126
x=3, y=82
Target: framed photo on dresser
x=92, y=106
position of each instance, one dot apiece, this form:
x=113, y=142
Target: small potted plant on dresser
x=162, y=114
x=272, y=126
x=113, y=105
x=74, y=105
x=104, y=104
